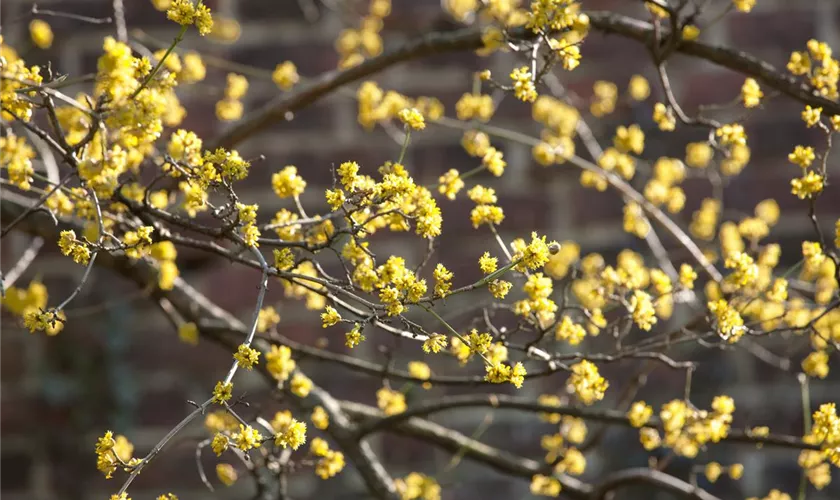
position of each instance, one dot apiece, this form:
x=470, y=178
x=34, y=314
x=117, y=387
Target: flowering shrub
x=127, y=188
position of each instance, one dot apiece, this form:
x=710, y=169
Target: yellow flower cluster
x=751, y=93
x=112, y=453
x=29, y=304
x=230, y=107
x=499, y=373
x=285, y=75
x=226, y=474
x=435, y=343
x=412, y=118
x=247, y=438
x=41, y=33
x=816, y=63
x=546, y=486
x=376, y=105
x=523, y=84
x=320, y=418
x=222, y=392
x=475, y=107
x=70, y=245
x=663, y=188
x=354, y=337
x=538, y=288
x=391, y=402
x=686, y=429
x=354, y=45
x=450, y=183
x=279, y=362
x=17, y=76
x=17, y=157
x=185, y=13
x=289, y=432
x=605, y=96
x=587, y=383
x=246, y=356
x=826, y=433
x=330, y=463
x=730, y=324
x=417, y=486
x=300, y=385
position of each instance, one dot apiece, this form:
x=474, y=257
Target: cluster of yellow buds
x=354, y=45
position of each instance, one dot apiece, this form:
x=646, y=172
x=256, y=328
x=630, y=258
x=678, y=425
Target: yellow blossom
x=523, y=85
x=435, y=343
x=588, y=385
x=354, y=337
x=300, y=385
x=744, y=5
x=247, y=438
x=807, y=186
x=639, y=88
x=639, y=414
x=320, y=418
x=751, y=93
x=664, y=117
x=41, y=33
x=330, y=317
x=390, y=402
x=811, y=116
x=412, y=118
x=222, y=392
x=285, y=75
x=246, y=356
x=225, y=472
x=802, y=156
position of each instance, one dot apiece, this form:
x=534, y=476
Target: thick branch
x=502, y=401
x=476, y=451
x=470, y=39
x=278, y=108
x=193, y=306
x=652, y=477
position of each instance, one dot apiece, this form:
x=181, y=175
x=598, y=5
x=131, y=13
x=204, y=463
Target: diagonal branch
x=193, y=306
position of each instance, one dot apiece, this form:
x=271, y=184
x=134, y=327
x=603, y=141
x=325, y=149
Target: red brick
x=789, y=30
x=165, y=408
x=13, y=364
x=175, y=468
x=17, y=413
x=259, y=10
x=311, y=58
x=16, y=466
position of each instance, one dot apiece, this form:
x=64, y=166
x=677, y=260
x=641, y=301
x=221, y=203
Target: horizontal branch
x=377, y=370
x=509, y=463
x=503, y=401
x=652, y=477
x=494, y=401
x=279, y=108
x=735, y=60
x=472, y=449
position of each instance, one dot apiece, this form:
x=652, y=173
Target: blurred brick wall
x=120, y=365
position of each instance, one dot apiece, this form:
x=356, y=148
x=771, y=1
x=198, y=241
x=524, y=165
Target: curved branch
x=500, y=401
x=377, y=370
x=470, y=39
x=277, y=109
x=455, y=442
x=653, y=477
x=193, y=306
